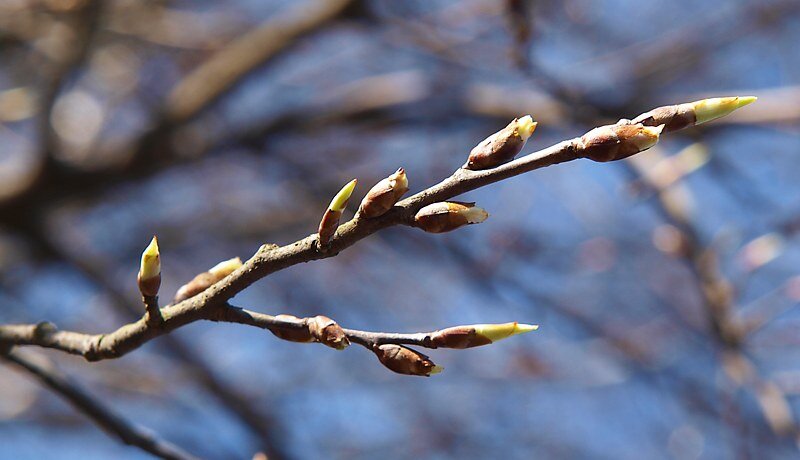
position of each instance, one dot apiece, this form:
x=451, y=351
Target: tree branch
x=103, y=416
x=212, y=304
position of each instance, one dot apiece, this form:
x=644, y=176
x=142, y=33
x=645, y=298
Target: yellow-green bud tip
x=225, y=267
x=151, y=261
x=340, y=200
x=716, y=107
x=436, y=370
x=525, y=127
x=495, y=332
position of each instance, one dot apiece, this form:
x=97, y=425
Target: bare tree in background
x=224, y=135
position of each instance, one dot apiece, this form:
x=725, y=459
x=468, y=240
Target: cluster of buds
x=406, y=361
x=449, y=215
x=384, y=195
x=330, y=220
x=149, y=277
x=204, y=280
x=318, y=329
x=675, y=117
x=478, y=334
x=503, y=145
x=615, y=142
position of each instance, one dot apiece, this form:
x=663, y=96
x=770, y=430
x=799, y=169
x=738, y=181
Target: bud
x=302, y=335
x=615, y=142
x=405, y=360
x=503, y=145
x=327, y=332
x=448, y=215
x=711, y=109
x=676, y=117
x=330, y=220
x=149, y=277
x=384, y=195
x=478, y=334
x=202, y=281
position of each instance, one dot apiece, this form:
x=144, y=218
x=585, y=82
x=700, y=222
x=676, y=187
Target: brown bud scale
x=615, y=142
x=327, y=332
x=404, y=360
x=673, y=117
x=328, y=226
x=447, y=216
x=197, y=285
x=459, y=337
x=497, y=149
x=302, y=335
x=384, y=195
x=149, y=287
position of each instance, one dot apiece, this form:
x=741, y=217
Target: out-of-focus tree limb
x=220, y=73
x=103, y=416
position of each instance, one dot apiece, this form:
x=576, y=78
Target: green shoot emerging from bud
x=339, y=202
x=711, y=109
x=495, y=332
x=149, y=277
x=151, y=260
x=449, y=215
x=503, y=145
x=330, y=220
x=478, y=334
x=679, y=116
x=384, y=195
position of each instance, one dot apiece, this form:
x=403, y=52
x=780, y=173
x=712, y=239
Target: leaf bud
x=615, y=142
x=449, y=215
x=204, y=280
x=149, y=277
x=384, y=195
x=330, y=220
x=478, y=334
x=406, y=361
x=503, y=145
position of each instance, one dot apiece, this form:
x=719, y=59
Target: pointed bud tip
x=436, y=369
x=523, y=328
x=716, y=107
x=526, y=126
x=495, y=332
x=151, y=264
x=339, y=201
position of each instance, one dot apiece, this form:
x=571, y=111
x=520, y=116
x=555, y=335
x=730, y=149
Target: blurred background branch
x=644, y=348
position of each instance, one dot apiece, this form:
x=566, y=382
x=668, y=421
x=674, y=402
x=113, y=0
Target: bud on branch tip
x=716, y=107
x=330, y=220
x=503, y=145
x=478, y=334
x=384, y=195
x=151, y=260
x=149, y=278
x=339, y=202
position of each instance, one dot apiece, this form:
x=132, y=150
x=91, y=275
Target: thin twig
x=212, y=303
